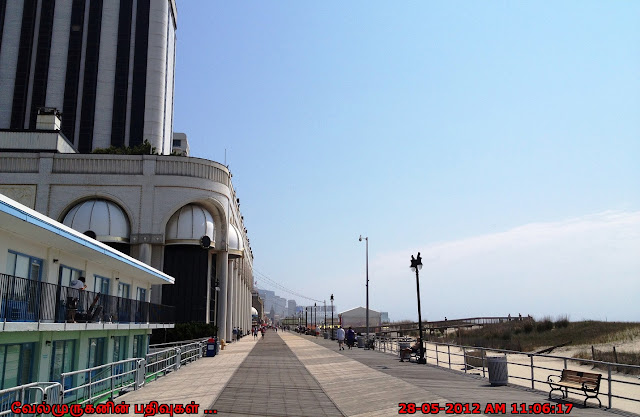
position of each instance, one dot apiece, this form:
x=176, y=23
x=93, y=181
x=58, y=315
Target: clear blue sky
x=501, y=139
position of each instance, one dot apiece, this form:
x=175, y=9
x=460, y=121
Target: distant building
x=384, y=317
x=291, y=308
x=357, y=317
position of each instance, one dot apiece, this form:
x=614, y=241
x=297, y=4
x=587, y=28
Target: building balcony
x=34, y=305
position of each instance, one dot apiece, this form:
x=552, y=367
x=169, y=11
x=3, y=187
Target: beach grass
x=537, y=335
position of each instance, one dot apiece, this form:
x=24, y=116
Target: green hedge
x=184, y=331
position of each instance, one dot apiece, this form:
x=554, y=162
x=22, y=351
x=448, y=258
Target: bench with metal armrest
x=588, y=383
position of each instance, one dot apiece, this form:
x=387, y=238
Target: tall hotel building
x=106, y=65
x=76, y=75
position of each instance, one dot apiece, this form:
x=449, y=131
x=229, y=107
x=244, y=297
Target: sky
x=501, y=140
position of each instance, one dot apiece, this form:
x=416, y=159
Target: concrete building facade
x=106, y=65
x=182, y=216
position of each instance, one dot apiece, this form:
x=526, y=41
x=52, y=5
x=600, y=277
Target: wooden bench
x=588, y=383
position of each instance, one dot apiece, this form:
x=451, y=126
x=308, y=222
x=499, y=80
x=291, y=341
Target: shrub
x=562, y=322
x=184, y=331
x=144, y=148
x=544, y=325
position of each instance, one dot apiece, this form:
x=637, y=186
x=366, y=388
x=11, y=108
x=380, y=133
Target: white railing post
x=178, y=358
x=449, y=354
x=140, y=374
x=112, y=382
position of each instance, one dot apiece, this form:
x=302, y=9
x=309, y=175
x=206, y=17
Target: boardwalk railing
x=33, y=393
x=102, y=383
x=528, y=369
x=27, y=300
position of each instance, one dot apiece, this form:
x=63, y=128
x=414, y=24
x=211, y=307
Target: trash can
x=326, y=335
x=360, y=341
x=498, y=373
x=211, y=347
x=401, y=347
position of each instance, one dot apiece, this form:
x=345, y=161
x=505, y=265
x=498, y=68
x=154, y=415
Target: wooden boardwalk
x=287, y=374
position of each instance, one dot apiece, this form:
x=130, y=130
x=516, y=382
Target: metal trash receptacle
x=402, y=346
x=212, y=346
x=360, y=341
x=326, y=335
x=498, y=372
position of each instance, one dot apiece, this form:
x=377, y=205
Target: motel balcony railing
x=25, y=300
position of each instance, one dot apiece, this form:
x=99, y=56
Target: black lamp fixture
x=332, y=338
x=324, y=328
x=416, y=265
x=367, y=285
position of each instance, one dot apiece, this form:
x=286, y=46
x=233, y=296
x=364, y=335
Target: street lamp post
x=315, y=323
x=416, y=265
x=306, y=318
x=367, y=285
x=332, y=338
x=324, y=328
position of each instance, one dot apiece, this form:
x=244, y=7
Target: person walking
x=340, y=336
x=351, y=337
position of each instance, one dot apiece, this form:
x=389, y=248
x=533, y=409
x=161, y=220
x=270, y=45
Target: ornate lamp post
x=367, y=285
x=332, y=338
x=416, y=265
x=315, y=323
x=306, y=318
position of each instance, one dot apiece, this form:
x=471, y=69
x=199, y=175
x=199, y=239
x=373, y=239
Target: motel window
x=101, y=285
x=62, y=356
x=96, y=352
x=24, y=266
x=68, y=274
x=139, y=346
x=119, y=348
x=16, y=364
x=142, y=294
x=123, y=290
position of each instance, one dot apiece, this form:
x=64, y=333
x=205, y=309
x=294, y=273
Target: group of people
x=255, y=330
x=349, y=336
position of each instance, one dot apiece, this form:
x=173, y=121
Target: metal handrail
x=26, y=300
x=32, y=393
x=105, y=382
x=99, y=382
x=470, y=361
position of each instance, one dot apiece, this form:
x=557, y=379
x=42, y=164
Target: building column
x=222, y=259
x=236, y=309
x=244, y=304
x=229, y=334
